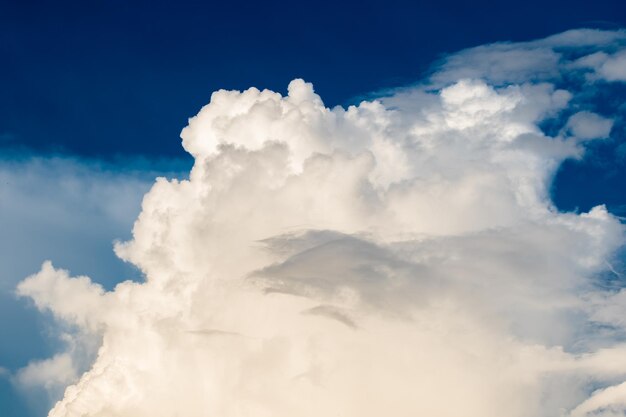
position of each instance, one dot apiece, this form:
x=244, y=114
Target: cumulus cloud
x=49, y=373
x=398, y=257
x=614, y=68
x=605, y=66
x=586, y=125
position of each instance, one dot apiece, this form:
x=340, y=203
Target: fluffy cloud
x=585, y=125
x=400, y=257
x=605, y=66
x=614, y=68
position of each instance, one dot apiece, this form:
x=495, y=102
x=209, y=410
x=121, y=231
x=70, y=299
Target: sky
x=474, y=151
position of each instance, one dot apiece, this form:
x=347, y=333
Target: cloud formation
x=400, y=257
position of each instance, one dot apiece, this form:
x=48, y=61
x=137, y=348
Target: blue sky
x=111, y=79
x=115, y=77
x=109, y=86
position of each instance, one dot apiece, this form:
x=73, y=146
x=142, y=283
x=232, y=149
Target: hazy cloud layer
x=400, y=257
x=72, y=211
x=51, y=203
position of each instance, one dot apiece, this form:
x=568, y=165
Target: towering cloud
x=397, y=258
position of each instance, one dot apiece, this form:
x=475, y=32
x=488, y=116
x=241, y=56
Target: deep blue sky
x=110, y=78
x=101, y=78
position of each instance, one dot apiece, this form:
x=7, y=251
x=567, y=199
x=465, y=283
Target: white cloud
x=540, y=60
x=400, y=257
x=604, y=66
x=614, y=68
x=501, y=63
x=58, y=370
x=586, y=125
x=584, y=38
x=72, y=300
x=607, y=402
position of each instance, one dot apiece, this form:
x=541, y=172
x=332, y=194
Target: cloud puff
x=614, y=68
x=586, y=125
x=49, y=373
x=400, y=257
x=605, y=66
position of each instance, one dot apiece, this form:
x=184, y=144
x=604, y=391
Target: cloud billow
x=400, y=257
